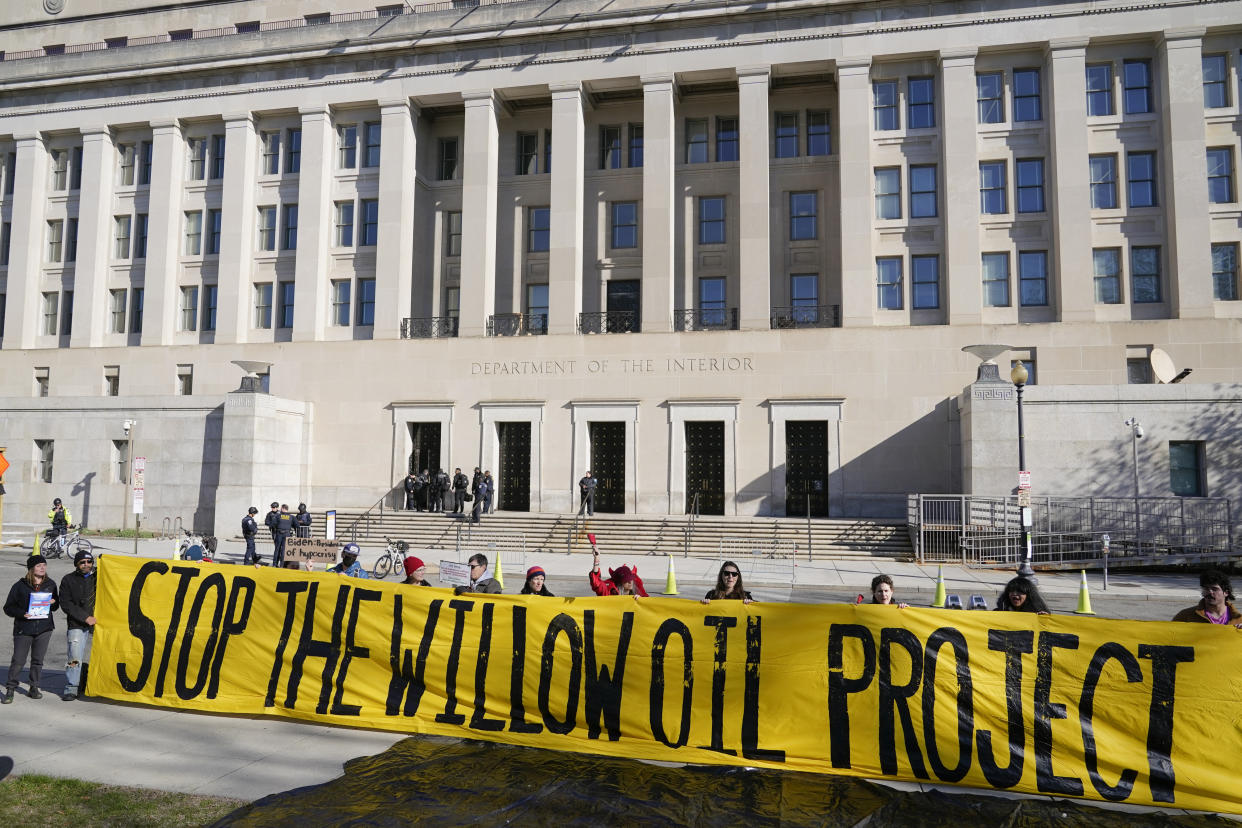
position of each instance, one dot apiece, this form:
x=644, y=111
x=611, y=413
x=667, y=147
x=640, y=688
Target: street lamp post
x=129, y=471
x=1019, y=376
x=1136, y=434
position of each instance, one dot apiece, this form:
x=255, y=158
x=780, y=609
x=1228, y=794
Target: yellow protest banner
x=1137, y=712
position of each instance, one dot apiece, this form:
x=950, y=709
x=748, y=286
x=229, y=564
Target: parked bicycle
x=393, y=559
x=70, y=543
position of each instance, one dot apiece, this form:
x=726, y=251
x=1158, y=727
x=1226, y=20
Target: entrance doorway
x=425, y=442
x=624, y=307
x=513, y=483
x=705, y=466
x=608, y=465
x=806, y=468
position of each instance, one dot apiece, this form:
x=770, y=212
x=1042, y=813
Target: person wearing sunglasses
x=728, y=585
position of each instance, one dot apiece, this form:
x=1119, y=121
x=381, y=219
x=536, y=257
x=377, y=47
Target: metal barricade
x=760, y=561
x=507, y=547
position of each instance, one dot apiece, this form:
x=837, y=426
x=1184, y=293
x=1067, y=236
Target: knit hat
x=83, y=555
x=35, y=560
x=535, y=570
x=413, y=564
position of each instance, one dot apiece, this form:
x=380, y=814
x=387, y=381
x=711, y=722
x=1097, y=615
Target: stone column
x=855, y=207
x=988, y=419
x=659, y=216
x=95, y=232
x=959, y=170
x=1188, y=256
x=568, y=182
x=478, y=213
x=755, y=239
x=237, y=229
x=394, y=255
x=315, y=226
x=165, y=233
x=22, y=316
x=1070, y=202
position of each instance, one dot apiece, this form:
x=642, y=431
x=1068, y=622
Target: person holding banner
x=77, y=589
x=728, y=585
x=30, y=604
x=882, y=592
x=536, y=584
x=414, y=569
x=1217, y=604
x=1020, y=595
x=349, y=563
x=620, y=581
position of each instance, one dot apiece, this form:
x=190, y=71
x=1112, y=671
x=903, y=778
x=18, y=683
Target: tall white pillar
x=659, y=217
x=22, y=317
x=90, y=274
x=237, y=228
x=315, y=228
x=1187, y=222
x=568, y=199
x=755, y=238
x=1071, y=181
x=962, y=272
x=394, y=255
x=478, y=213
x=165, y=233
x=856, y=207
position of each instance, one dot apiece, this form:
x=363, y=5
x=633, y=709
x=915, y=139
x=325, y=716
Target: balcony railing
x=608, y=322
x=517, y=324
x=705, y=319
x=428, y=327
x=807, y=316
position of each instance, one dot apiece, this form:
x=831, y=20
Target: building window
x=818, y=133
x=1106, y=266
x=452, y=302
x=527, y=153
x=60, y=170
x=992, y=196
x=803, y=216
x=1215, y=81
x=1225, y=272
x=1033, y=278
x=446, y=166
x=6, y=241
x=990, y=97
x=888, y=283
x=185, y=380
x=923, y=191
x=75, y=170
x=121, y=236
x=1026, y=96
x=884, y=113
x=452, y=234
x=1103, y=182
x=539, y=221
x=198, y=159
x=888, y=193
x=289, y=228
x=1100, y=89
x=786, y=138
x=217, y=157
x=214, y=225
x=1145, y=274
x=344, y=224
x=371, y=132
x=129, y=160
x=44, y=450
x=711, y=220
x=211, y=295
x=71, y=241
x=144, y=163
x=119, y=303
x=42, y=378
x=1136, y=79
x=66, y=313
x=366, y=302
x=1141, y=178
x=636, y=145
x=263, y=305
x=804, y=297
x=1186, y=468
x=1030, y=184
x=189, y=308
x=368, y=233
x=1138, y=371
x=1220, y=175
x=293, y=152
x=347, y=146
x=10, y=172
x=609, y=148
x=137, y=297
x=537, y=307
x=696, y=140
x=924, y=282
x=267, y=228
x=395, y=10
x=921, y=103
x=194, y=233
x=340, y=302
x=140, y=236
x=624, y=224
x=112, y=383
x=55, y=240
x=284, y=293
x=996, y=280
x=712, y=303
x=271, y=153
x=726, y=139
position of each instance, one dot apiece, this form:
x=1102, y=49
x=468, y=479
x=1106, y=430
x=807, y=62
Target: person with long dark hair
x=728, y=585
x=536, y=582
x=32, y=602
x=1020, y=595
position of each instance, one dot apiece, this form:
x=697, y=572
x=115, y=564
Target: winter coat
x=18, y=604
x=77, y=598
x=1198, y=613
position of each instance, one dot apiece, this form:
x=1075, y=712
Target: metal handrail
x=517, y=324
x=693, y=513
x=351, y=530
x=806, y=316
x=705, y=319
x=429, y=327
x=608, y=322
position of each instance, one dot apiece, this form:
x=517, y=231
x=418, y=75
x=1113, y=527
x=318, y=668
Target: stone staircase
x=631, y=535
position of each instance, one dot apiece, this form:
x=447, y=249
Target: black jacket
x=460, y=481
x=77, y=598
x=284, y=524
x=18, y=604
x=249, y=527
x=270, y=520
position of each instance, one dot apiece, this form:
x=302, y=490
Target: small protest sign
x=40, y=605
x=454, y=574
x=311, y=549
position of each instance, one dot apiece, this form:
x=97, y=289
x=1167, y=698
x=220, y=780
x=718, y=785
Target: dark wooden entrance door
x=705, y=463
x=806, y=467
x=425, y=438
x=513, y=485
x=608, y=465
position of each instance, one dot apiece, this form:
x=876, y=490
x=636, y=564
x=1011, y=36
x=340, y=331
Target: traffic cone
x=37, y=543
x=670, y=584
x=1084, y=597
x=939, y=600
x=500, y=575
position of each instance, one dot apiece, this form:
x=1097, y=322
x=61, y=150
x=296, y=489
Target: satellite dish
x=1162, y=365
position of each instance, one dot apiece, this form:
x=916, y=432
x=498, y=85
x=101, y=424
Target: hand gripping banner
x=1127, y=711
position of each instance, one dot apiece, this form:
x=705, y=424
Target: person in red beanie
x=414, y=569
x=620, y=581
x=536, y=582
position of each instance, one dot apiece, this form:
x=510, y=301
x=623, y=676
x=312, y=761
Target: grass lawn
x=45, y=801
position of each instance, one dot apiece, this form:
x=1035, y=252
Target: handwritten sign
x=311, y=549
x=454, y=574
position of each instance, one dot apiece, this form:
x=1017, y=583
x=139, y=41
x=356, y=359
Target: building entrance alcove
x=608, y=465
x=705, y=466
x=513, y=477
x=425, y=447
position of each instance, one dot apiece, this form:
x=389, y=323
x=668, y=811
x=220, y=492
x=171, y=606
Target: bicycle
x=393, y=559
x=70, y=543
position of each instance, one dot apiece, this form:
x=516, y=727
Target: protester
x=586, y=491
x=536, y=582
x=31, y=603
x=1217, y=604
x=728, y=585
x=414, y=570
x=481, y=579
x=60, y=518
x=620, y=581
x=882, y=592
x=349, y=563
x=302, y=522
x=1020, y=595
x=250, y=528
x=77, y=599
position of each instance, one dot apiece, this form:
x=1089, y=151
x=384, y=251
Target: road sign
x=1024, y=480
x=4, y=465
x=1024, y=497
x=140, y=473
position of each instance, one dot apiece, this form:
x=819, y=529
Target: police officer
x=411, y=481
x=284, y=528
x=250, y=528
x=269, y=520
x=59, y=516
x=460, y=484
x=421, y=481
x=302, y=522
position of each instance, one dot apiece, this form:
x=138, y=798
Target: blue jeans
x=79, y=653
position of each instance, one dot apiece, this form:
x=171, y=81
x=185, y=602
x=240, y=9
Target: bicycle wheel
x=53, y=549
x=83, y=545
x=383, y=566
